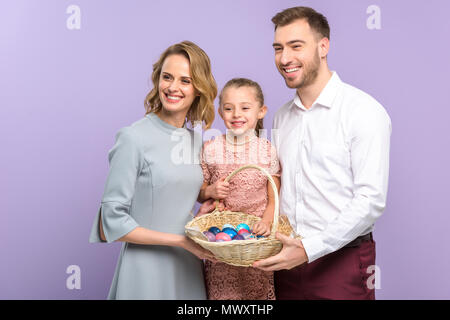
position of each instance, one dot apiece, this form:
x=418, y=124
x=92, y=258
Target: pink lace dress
x=248, y=193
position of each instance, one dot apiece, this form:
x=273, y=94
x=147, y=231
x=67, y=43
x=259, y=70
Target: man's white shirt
x=335, y=165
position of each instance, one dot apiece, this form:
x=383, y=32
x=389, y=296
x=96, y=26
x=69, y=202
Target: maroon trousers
x=341, y=275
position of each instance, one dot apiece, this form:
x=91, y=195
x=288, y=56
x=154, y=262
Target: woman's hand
x=197, y=250
x=219, y=189
x=262, y=227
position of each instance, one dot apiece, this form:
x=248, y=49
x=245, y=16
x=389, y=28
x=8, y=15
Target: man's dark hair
x=316, y=20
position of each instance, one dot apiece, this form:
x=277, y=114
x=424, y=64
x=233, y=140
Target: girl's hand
x=197, y=250
x=208, y=206
x=219, y=189
x=262, y=228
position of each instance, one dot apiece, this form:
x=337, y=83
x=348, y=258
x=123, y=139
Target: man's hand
x=292, y=255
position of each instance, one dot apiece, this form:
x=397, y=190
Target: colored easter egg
x=214, y=230
x=242, y=226
x=248, y=236
x=223, y=236
x=220, y=240
x=259, y=237
x=227, y=225
x=211, y=236
x=238, y=237
x=230, y=231
x=243, y=231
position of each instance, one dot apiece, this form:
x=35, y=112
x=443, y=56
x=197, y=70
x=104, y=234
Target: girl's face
x=240, y=110
x=176, y=91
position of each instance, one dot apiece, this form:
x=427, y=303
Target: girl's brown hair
x=202, y=109
x=244, y=82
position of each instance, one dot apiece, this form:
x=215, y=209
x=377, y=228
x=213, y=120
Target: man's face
x=296, y=54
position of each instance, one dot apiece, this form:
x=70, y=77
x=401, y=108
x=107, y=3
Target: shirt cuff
x=314, y=247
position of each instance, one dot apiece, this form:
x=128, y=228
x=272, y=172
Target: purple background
x=65, y=93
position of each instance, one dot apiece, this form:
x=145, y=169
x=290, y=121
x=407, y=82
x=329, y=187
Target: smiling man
x=333, y=144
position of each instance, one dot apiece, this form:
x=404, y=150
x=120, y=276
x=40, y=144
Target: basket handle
x=274, y=188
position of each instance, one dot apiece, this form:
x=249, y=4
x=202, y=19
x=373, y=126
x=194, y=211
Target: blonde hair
x=202, y=109
x=244, y=82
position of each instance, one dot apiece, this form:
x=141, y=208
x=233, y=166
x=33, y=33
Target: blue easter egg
x=230, y=231
x=227, y=225
x=242, y=226
x=259, y=237
x=214, y=230
x=238, y=237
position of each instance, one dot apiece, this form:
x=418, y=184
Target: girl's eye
x=185, y=81
x=166, y=77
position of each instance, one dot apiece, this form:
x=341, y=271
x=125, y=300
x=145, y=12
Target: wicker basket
x=240, y=252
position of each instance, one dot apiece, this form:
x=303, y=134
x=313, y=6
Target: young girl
x=241, y=106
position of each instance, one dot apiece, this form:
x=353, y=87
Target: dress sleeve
x=126, y=162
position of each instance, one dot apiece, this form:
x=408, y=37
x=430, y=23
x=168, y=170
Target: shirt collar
x=327, y=95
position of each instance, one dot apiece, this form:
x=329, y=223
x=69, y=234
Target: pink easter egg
x=242, y=231
x=223, y=236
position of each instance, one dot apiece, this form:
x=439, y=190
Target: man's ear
x=323, y=47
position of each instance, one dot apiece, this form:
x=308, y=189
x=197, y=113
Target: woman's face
x=176, y=91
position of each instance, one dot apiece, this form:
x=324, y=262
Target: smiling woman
x=148, y=198
x=176, y=91
x=182, y=79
